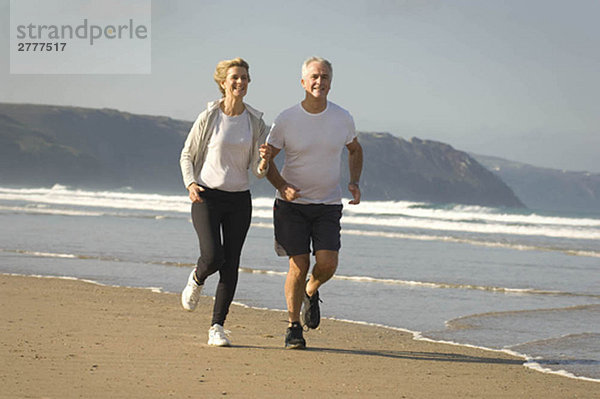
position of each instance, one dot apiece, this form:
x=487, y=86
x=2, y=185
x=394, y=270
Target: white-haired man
x=308, y=204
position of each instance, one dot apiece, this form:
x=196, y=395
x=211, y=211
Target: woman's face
x=236, y=82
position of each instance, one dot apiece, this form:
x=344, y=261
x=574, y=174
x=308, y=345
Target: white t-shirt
x=313, y=145
x=228, y=154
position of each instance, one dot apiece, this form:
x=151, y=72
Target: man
x=308, y=206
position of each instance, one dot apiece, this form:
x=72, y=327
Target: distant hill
x=547, y=189
x=423, y=170
x=41, y=145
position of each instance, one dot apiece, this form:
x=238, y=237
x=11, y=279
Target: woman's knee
x=210, y=262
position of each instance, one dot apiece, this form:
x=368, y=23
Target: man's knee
x=299, y=265
x=327, y=261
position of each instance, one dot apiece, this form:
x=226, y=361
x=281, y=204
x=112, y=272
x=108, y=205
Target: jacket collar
x=213, y=105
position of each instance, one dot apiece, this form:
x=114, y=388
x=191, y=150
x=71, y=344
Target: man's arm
x=287, y=191
x=355, y=163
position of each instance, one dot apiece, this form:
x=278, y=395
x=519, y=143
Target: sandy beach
x=73, y=339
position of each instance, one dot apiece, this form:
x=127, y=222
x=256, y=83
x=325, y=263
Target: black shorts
x=296, y=225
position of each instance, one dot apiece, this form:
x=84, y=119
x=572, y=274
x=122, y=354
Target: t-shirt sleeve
x=351, y=130
x=275, y=137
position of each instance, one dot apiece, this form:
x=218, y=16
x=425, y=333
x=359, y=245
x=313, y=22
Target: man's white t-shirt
x=229, y=151
x=313, y=145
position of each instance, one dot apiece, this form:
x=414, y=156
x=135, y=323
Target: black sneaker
x=311, y=316
x=294, y=338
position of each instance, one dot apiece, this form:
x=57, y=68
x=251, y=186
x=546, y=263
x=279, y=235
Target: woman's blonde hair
x=222, y=68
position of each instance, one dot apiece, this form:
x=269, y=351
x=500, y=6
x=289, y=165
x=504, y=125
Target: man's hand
x=289, y=192
x=265, y=155
x=194, y=190
x=355, y=191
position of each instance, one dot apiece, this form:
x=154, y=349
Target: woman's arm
x=191, y=147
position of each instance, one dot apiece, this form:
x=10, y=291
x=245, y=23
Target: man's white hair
x=316, y=59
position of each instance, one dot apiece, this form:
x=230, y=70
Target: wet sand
x=73, y=339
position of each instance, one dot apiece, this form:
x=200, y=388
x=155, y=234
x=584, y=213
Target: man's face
x=317, y=80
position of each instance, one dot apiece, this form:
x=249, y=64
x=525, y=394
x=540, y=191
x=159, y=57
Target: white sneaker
x=217, y=336
x=191, y=293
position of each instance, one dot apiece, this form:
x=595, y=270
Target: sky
x=517, y=79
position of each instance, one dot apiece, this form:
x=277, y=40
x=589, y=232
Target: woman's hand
x=265, y=152
x=194, y=190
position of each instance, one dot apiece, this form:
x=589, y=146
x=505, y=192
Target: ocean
x=515, y=280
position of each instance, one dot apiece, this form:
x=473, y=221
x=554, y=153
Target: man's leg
x=324, y=269
x=325, y=233
x=294, y=285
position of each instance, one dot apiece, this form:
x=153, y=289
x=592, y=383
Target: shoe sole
x=296, y=346
x=188, y=309
x=184, y=304
x=305, y=316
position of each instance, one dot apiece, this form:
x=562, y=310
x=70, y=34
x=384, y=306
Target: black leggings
x=228, y=213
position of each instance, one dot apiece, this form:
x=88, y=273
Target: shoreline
x=129, y=334
x=528, y=361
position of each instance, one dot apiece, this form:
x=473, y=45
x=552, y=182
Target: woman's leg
x=235, y=227
x=206, y=218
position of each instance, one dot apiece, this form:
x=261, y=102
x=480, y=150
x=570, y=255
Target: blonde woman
x=224, y=142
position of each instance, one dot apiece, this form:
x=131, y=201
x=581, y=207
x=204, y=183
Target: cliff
x=41, y=145
x=424, y=170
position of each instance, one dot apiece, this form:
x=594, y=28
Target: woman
x=226, y=140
